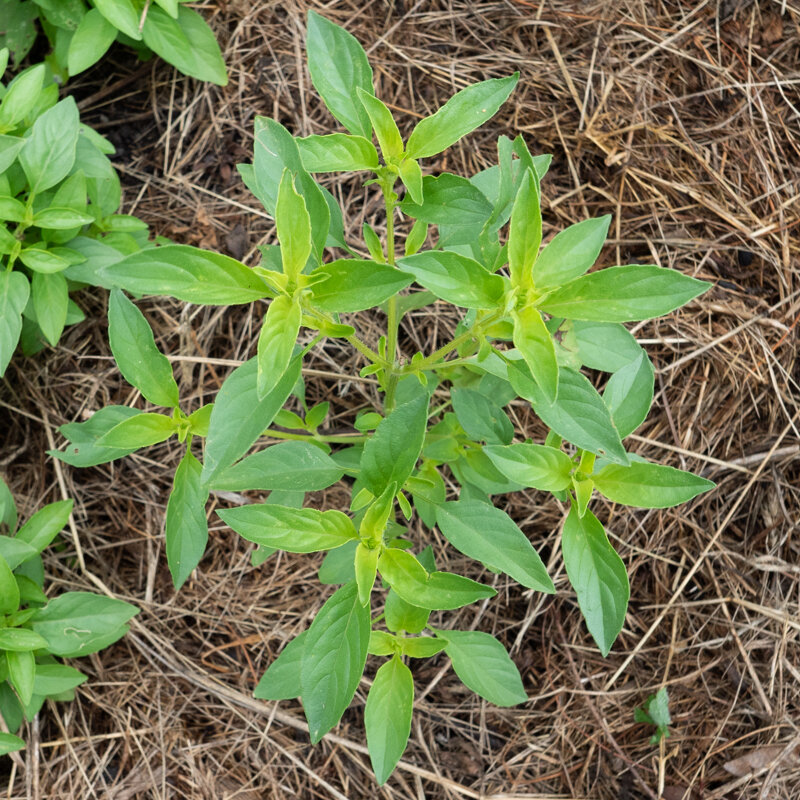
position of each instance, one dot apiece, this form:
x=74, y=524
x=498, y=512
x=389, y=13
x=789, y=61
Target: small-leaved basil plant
x=80, y=33
x=35, y=629
x=531, y=319
x=59, y=197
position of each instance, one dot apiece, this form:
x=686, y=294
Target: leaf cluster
x=36, y=630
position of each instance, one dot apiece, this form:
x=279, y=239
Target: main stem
x=393, y=324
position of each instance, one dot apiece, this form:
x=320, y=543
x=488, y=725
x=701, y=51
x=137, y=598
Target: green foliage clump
x=80, y=33
x=36, y=630
x=531, y=318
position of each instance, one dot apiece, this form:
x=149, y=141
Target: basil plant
x=438, y=445
x=59, y=197
x=35, y=629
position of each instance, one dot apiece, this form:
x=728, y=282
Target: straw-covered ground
x=681, y=118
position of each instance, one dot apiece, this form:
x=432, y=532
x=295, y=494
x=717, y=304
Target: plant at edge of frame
x=532, y=317
x=35, y=629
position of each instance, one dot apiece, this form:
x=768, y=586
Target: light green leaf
x=392, y=451
x=139, y=360
x=449, y=200
x=14, y=293
x=535, y=343
x=21, y=97
x=606, y=346
x=411, y=176
x=239, y=417
x=293, y=228
x=281, y=681
x=481, y=418
x=455, y=278
x=484, y=666
x=143, y=430
x=461, y=114
x=78, y=623
x=288, y=466
x=20, y=640
x=52, y=679
x=49, y=152
x=10, y=743
x=525, y=231
x=50, y=301
x=9, y=591
x=186, y=526
x=122, y=15
x=15, y=552
x=624, y=294
x=40, y=530
x=9, y=150
x=334, y=654
x=89, y=43
x=186, y=273
x=579, y=414
x=402, y=616
x=276, y=342
x=21, y=671
x=355, y=284
x=437, y=590
x=570, y=253
x=489, y=535
x=598, y=576
x=337, y=152
x=83, y=450
x=8, y=508
x=533, y=465
x=12, y=209
x=339, y=67
x=296, y=530
x=41, y=260
x=422, y=647
x=387, y=716
x=629, y=394
x=389, y=139
x=61, y=219
x=366, y=567
x=186, y=42
x=646, y=485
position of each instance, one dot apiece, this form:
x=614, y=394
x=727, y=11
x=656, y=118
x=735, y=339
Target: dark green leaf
x=83, y=450
x=49, y=152
x=629, y=394
x=51, y=679
x=449, y=200
x=90, y=41
x=481, y=419
x=281, y=681
x=386, y=131
x=607, y=346
x=355, y=285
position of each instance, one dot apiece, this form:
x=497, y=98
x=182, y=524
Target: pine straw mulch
x=681, y=119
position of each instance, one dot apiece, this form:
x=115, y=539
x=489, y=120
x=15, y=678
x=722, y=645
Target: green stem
x=367, y=352
x=393, y=322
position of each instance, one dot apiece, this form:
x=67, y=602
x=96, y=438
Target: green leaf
x=21, y=97
x=143, y=430
x=484, y=666
x=293, y=228
x=186, y=42
x=598, y=576
x=366, y=567
x=350, y=285
x=423, y=647
x=579, y=414
x=122, y=15
x=20, y=640
x=489, y=535
x=9, y=150
x=51, y=679
x=606, y=346
x=481, y=418
x=10, y=743
x=449, y=200
x=83, y=450
x=535, y=343
x=437, y=590
x=533, y=465
x=402, y=616
x=392, y=451
x=288, y=466
x=337, y=152
x=461, y=114
x=186, y=526
x=139, y=360
x=281, y=681
x=14, y=293
x=41, y=260
x=629, y=394
x=339, y=67
x=525, y=231
x=49, y=152
x=334, y=655
x=8, y=508
x=656, y=713
x=386, y=131
x=12, y=210
x=646, y=485
x=186, y=273
x=239, y=417
x=15, y=552
x=89, y=43
x=199, y=420
x=296, y=530
x=411, y=176
x=21, y=672
x=78, y=623
x=40, y=530
x=624, y=294
x=276, y=342
x=455, y=278
x=387, y=716
x=19, y=31
x=50, y=301
x=570, y=253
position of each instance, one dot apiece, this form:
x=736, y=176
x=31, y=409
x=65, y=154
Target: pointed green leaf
x=629, y=394
x=53, y=679
x=21, y=672
x=449, y=199
x=570, y=253
x=337, y=152
x=83, y=449
x=605, y=346
x=293, y=228
x=525, y=231
x=10, y=743
x=281, y=681
x=142, y=430
x=40, y=530
x=21, y=96
x=89, y=43
x=353, y=284
x=411, y=176
x=389, y=139
x=533, y=465
x=481, y=418
x=366, y=567
x=20, y=640
x=49, y=152
x=645, y=485
x=276, y=342
x=535, y=343
x=14, y=293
